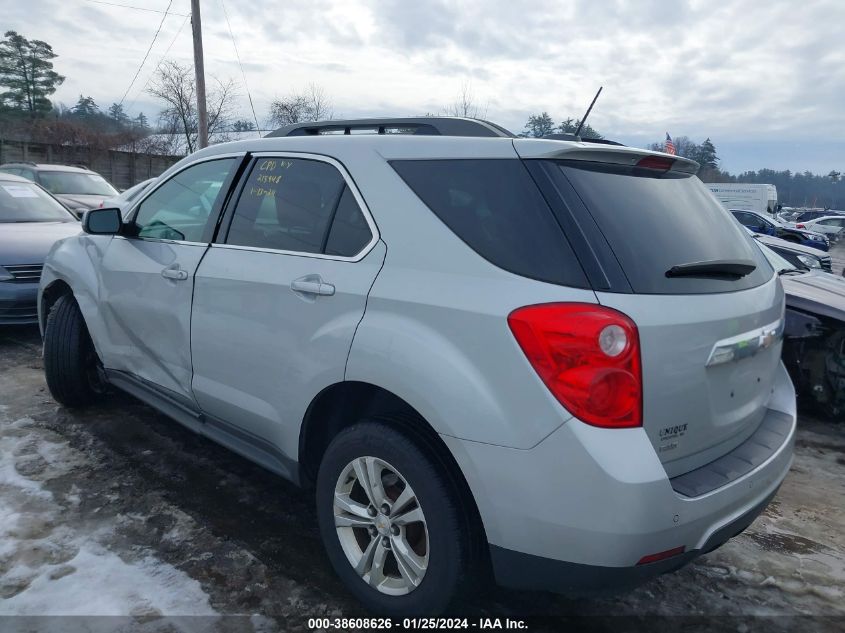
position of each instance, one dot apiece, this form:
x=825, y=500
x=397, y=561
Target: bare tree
x=312, y=104
x=175, y=84
x=464, y=104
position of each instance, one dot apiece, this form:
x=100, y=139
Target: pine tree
x=86, y=107
x=707, y=154
x=539, y=125
x=570, y=125
x=117, y=114
x=27, y=74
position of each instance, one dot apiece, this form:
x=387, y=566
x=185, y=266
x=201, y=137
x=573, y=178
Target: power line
x=243, y=74
x=160, y=61
x=127, y=6
x=143, y=61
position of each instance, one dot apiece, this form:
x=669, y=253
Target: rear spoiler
x=608, y=154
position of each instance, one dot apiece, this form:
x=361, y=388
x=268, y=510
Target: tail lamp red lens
x=589, y=358
x=800, y=226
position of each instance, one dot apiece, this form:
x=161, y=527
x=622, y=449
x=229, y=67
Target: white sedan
x=830, y=225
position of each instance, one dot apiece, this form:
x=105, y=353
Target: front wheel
x=70, y=362
x=391, y=523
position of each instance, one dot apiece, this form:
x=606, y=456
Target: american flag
x=669, y=147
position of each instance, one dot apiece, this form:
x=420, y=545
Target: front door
x=278, y=298
x=147, y=280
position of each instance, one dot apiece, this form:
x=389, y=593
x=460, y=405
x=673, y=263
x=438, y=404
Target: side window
x=349, y=233
x=11, y=170
x=286, y=204
x=494, y=206
x=744, y=219
x=182, y=207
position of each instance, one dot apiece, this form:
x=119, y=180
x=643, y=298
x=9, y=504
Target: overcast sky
x=764, y=79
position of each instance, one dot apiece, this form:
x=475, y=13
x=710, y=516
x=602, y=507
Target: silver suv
x=556, y=359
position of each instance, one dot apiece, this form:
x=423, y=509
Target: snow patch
x=48, y=565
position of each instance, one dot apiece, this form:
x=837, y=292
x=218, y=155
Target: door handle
x=312, y=285
x=174, y=273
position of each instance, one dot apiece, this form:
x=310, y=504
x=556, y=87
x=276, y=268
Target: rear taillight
x=800, y=226
x=588, y=356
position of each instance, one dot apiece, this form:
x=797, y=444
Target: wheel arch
x=342, y=404
x=51, y=293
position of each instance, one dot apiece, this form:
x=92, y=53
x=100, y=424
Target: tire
x=408, y=465
x=70, y=362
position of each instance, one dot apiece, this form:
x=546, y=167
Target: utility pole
x=199, y=67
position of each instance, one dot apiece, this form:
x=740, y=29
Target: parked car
x=504, y=353
x=814, y=348
x=31, y=220
x=759, y=223
x=126, y=198
x=802, y=257
x=77, y=188
x=830, y=225
x=806, y=216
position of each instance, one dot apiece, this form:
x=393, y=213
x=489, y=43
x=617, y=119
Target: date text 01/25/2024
x=480, y=624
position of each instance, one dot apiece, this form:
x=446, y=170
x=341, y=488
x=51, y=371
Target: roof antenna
x=586, y=114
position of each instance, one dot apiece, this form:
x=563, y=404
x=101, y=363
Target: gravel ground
x=119, y=511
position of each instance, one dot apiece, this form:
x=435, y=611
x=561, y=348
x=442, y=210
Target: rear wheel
x=391, y=523
x=71, y=365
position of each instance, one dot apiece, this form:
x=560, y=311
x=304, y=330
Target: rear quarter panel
x=435, y=330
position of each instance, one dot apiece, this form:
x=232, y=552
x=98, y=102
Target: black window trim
x=232, y=203
x=217, y=209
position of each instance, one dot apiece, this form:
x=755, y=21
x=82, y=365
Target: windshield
x=27, y=202
x=68, y=182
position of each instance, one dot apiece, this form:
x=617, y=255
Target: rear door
x=279, y=295
x=147, y=280
x=706, y=377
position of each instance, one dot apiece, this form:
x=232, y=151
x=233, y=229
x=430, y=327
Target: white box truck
x=749, y=197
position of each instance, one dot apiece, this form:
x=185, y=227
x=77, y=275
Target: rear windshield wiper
x=791, y=271
x=734, y=268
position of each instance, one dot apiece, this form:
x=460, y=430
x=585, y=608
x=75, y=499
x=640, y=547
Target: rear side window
x=656, y=220
x=494, y=206
x=349, y=233
x=287, y=204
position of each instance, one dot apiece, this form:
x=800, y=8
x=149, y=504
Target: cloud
x=738, y=69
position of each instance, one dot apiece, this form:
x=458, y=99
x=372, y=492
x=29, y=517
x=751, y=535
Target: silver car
x=558, y=360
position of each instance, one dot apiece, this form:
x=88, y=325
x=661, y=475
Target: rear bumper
x=578, y=511
x=18, y=303
x=535, y=573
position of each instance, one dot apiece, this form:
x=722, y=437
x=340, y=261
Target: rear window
x=494, y=206
x=656, y=220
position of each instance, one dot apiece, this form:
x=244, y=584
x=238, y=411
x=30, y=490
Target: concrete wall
x=121, y=169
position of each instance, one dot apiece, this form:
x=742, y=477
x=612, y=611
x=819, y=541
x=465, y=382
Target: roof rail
x=572, y=137
x=422, y=126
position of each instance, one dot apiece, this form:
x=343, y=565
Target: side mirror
x=102, y=221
